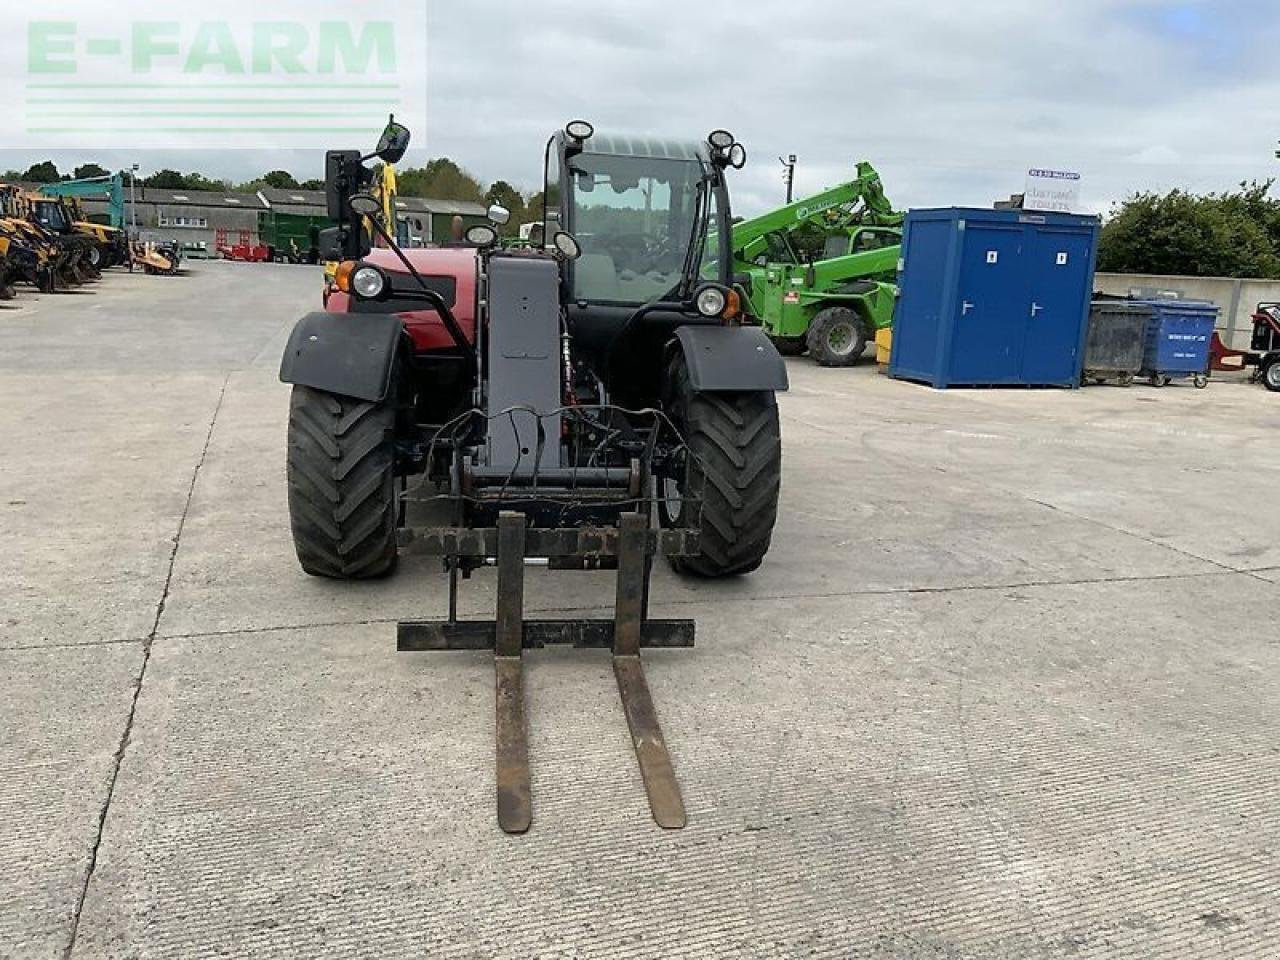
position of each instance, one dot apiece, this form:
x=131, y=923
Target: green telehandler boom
x=112, y=188
x=820, y=272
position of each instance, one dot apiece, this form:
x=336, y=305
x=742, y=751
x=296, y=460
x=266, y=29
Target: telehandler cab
x=593, y=402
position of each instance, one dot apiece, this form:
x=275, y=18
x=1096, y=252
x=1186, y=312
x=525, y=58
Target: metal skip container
x=1116, y=341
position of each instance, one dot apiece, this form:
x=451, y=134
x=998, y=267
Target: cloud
x=952, y=102
x=1155, y=155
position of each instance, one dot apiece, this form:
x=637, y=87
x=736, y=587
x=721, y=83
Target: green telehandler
x=819, y=273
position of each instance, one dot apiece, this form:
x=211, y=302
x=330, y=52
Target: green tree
x=46, y=172
x=440, y=179
x=311, y=185
x=280, y=180
x=505, y=195
x=198, y=181
x=166, y=180
x=87, y=171
x=1217, y=235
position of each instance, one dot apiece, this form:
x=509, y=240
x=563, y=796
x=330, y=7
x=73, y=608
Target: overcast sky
x=951, y=101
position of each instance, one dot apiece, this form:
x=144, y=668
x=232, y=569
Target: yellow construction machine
x=33, y=256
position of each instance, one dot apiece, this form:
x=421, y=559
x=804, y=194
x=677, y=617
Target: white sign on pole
x=1053, y=191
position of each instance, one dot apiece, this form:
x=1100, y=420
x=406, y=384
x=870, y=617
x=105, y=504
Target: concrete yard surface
x=1007, y=686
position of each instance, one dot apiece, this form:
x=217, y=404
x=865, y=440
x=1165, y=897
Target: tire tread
x=737, y=439
x=341, y=477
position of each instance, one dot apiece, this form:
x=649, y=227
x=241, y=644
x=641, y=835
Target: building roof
x=201, y=198
x=273, y=197
x=314, y=203
x=464, y=207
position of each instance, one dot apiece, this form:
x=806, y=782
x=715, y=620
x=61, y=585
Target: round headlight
x=710, y=301
x=482, y=235
x=579, y=130
x=567, y=244
x=368, y=282
x=720, y=139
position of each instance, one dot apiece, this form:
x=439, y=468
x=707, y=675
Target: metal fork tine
x=656, y=770
x=646, y=736
x=515, y=804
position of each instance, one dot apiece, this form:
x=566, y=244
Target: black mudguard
x=344, y=353
x=731, y=359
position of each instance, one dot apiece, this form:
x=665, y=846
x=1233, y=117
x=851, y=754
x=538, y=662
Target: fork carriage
x=629, y=548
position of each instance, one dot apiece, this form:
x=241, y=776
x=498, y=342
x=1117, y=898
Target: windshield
x=635, y=218
x=49, y=215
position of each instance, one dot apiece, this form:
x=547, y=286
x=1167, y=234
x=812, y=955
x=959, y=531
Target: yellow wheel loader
x=6, y=288
x=53, y=216
x=59, y=259
x=31, y=259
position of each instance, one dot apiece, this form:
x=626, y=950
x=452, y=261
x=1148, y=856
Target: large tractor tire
x=1271, y=375
x=836, y=337
x=342, y=485
x=733, y=466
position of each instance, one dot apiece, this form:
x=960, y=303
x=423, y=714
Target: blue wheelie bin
x=1177, y=344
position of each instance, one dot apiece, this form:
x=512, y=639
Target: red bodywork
x=425, y=328
x=246, y=253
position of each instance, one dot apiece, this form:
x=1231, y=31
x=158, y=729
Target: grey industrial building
x=202, y=220
x=199, y=220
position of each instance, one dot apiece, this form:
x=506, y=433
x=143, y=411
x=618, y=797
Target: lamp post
x=789, y=174
x=133, y=197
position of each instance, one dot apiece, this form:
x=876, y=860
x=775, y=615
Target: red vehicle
x=594, y=402
x=452, y=272
x=245, y=250
x=1264, y=354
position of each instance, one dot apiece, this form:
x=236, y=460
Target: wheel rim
x=1273, y=376
x=841, y=338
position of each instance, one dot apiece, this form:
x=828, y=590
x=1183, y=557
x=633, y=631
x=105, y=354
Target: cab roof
x=623, y=145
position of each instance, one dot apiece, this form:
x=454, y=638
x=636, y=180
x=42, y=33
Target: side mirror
x=366, y=205
x=499, y=214
x=394, y=143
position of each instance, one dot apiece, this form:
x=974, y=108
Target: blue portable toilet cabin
x=994, y=297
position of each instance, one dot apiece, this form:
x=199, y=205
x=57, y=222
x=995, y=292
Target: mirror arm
x=446, y=315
